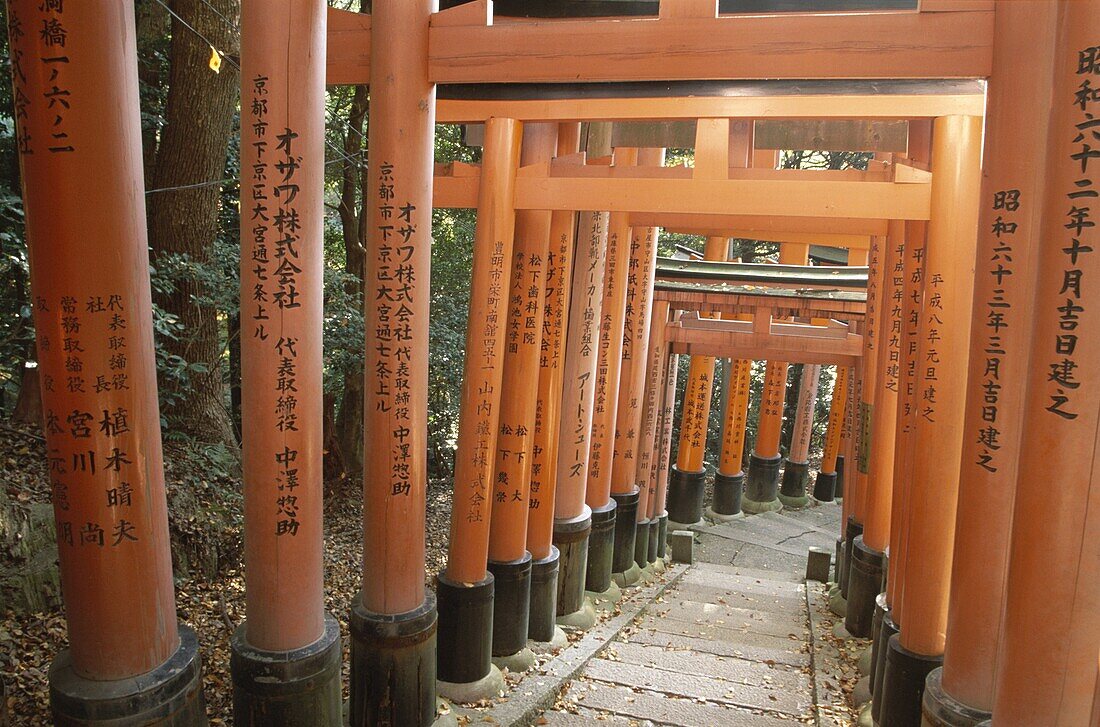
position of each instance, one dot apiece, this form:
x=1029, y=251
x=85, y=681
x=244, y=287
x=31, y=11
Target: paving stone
x=769, y=559
x=727, y=668
x=803, y=519
x=710, y=549
x=762, y=648
x=734, y=597
x=699, y=687
x=825, y=515
x=665, y=710
x=728, y=578
x=765, y=622
x=586, y=717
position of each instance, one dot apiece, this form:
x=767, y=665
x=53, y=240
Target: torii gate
x=146, y=665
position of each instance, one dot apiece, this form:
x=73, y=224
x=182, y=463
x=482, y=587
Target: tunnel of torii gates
x=970, y=240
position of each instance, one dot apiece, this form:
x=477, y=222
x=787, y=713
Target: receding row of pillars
x=979, y=513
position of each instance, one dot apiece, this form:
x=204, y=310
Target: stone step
x=731, y=669
x=694, y=612
x=709, y=640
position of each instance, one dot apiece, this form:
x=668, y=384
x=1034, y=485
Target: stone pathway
x=728, y=643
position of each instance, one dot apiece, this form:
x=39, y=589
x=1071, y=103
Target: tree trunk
x=192, y=150
x=28, y=406
x=349, y=422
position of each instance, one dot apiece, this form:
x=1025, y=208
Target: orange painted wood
x=656, y=504
x=836, y=420
x=548, y=412
x=629, y=448
x=966, y=99
x=482, y=396
x=716, y=225
x=348, y=55
x=1048, y=667
x=656, y=373
x=804, y=413
x=695, y=413
x=522, y=350
x=795, y=46
x=944, y=350
x=581, y=349
x=884, y=410
x=908, y=405
x=84, y=202
x=401, y=139
x=1009, y=235
x=601, y=453
x=282, y=297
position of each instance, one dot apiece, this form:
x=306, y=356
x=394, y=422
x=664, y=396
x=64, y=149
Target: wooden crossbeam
x=741, y=300
x=771, y=346
x=795, y=46
x=721, y=225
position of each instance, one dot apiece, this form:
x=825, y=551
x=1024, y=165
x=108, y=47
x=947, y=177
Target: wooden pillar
x=943, y=353
x=465, y=590
x=393, y=622
x=509, y=561
x=572, y=517
x=869, y=548
x=686, y=487
x=74, y=76
x=729, y=481
x=825, y=484
x=1009, y=234
x=606, y=530
x=631, y=522
x=1047, y=667
x=762, y=480
x=282, y=296
x=660, y=494
x=796, y=469
x=650, y=443
x=548, y=412
x=852, y=505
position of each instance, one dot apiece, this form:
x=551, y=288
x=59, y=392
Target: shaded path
x=727, y=644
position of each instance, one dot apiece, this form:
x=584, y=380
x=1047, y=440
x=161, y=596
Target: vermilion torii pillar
x=572, y=517
x=650, y=443
x=1047, y=669
x=792, y=491
x=287, y=655
x=686, y=488
x=548, y=413
x=78, y=136
x=601, y=541
x=729, y=480
x=944, y=351
x=869, y=548
x=393, y=620
x=466, y=588
x=1009, y=238
x=658, y=503
x=825, y=483
x=632, y=521
x=762, y=480
x=509, y=560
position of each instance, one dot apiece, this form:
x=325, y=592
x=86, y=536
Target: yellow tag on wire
x=215, y=60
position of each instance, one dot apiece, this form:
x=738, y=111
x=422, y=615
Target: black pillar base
x=838, y=561
x=792, y=491
x=393, y=665
x=727, y=493
x=838, y=491
x=511, y=604
x=571, y=539
x=626, y=531
x=903, y=684
x=662, y=535
x=762, y=485
x=465, y=629
x=288, y=687
x=825, y=486
x=887, y=629
x=170, y=695
x=543, y=610
x=601, y=547
x=940, y=709
x=864, y=583
x=686, y=491
x=851, y=530
x=881, y=609
x=655, y=545
x=641, y=544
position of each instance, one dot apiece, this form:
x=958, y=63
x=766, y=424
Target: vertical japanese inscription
x=41, y=38
x=1062, y=365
